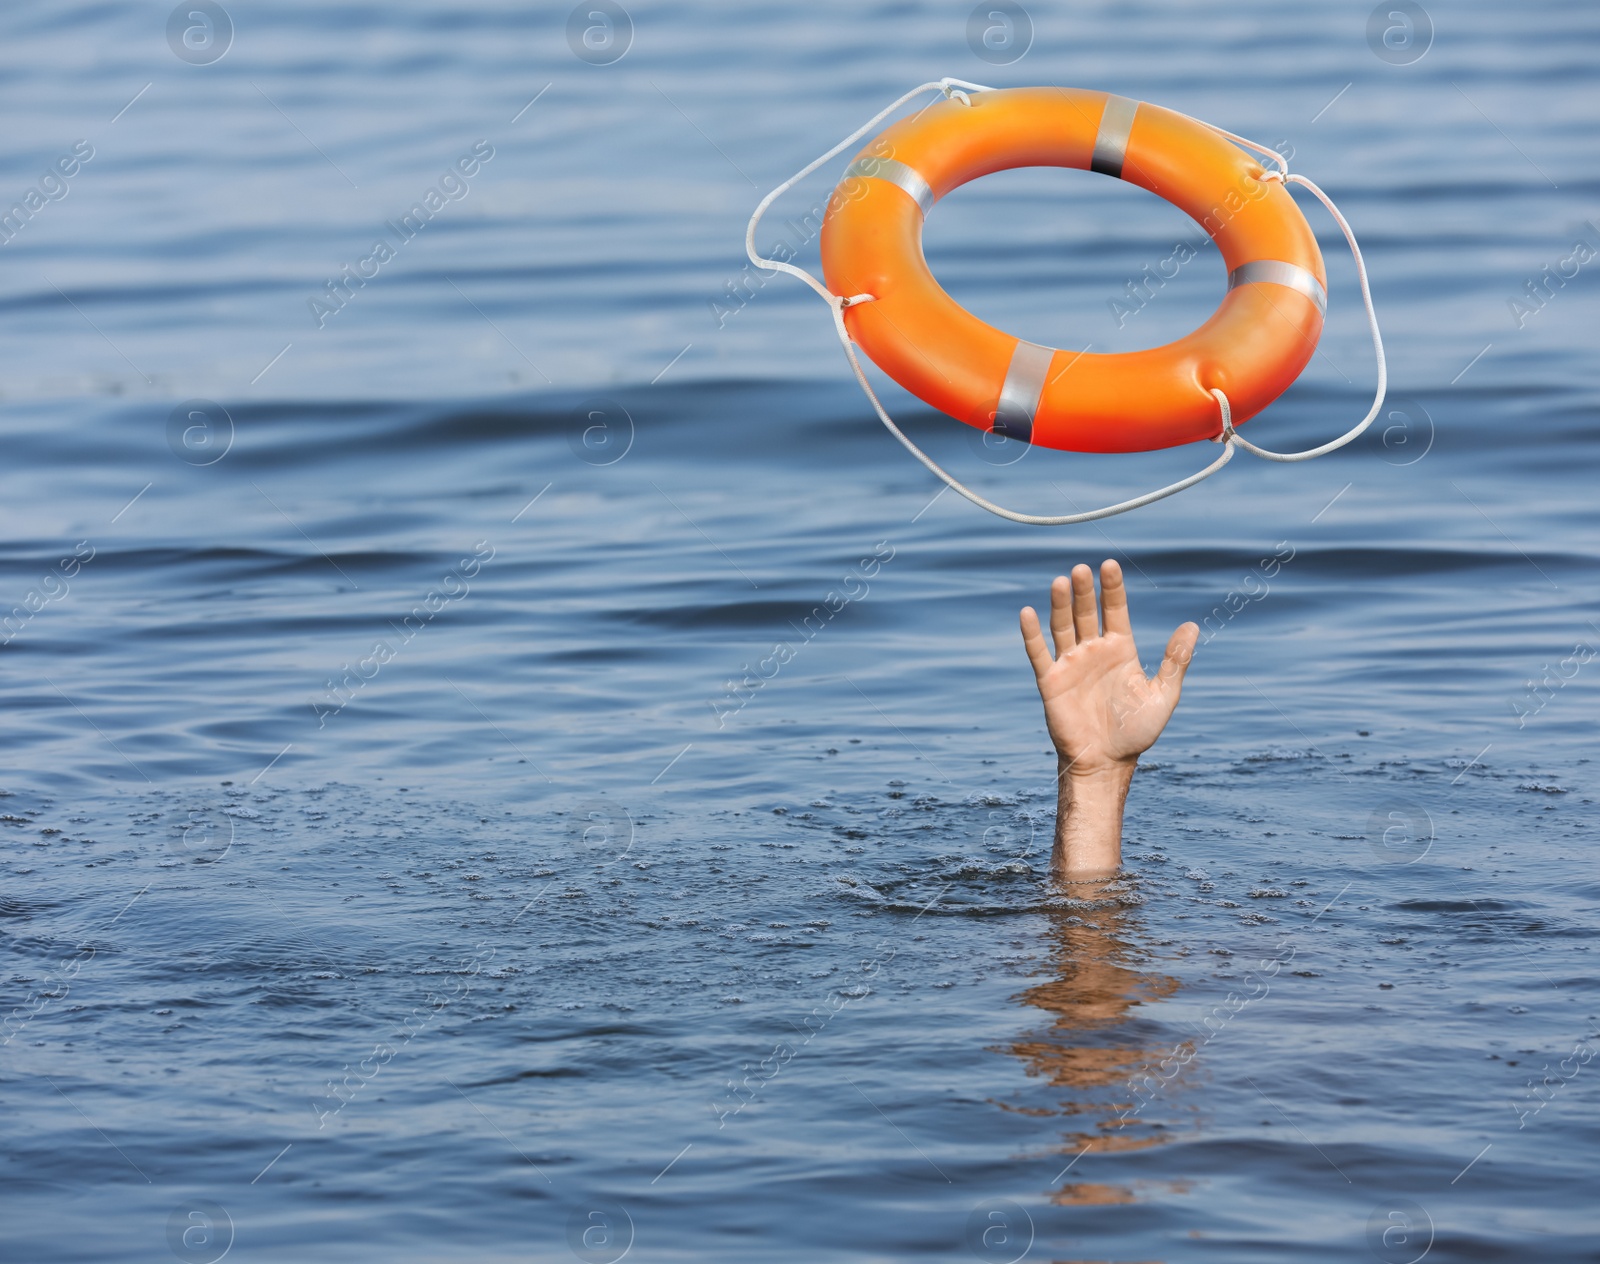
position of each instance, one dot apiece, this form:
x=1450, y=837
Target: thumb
x=1175, y=664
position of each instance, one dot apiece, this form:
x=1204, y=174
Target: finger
x=1085, y=615
x=1061, y=615
x=1033, y=641
x=1175, y=663
x=1114, y=599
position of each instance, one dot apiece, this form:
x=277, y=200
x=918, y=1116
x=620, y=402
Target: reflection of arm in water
x=1101, y=709
x=1100, y=1050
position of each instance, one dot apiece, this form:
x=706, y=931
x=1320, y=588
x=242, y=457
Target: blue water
x=391, y=870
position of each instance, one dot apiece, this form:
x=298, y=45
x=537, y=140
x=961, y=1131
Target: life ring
x=1252, y=348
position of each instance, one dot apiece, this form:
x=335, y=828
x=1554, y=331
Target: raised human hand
x=1102, y=711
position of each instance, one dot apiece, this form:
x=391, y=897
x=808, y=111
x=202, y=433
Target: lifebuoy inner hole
x=1071, y=259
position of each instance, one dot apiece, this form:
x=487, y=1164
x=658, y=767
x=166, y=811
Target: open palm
x=1102, y=710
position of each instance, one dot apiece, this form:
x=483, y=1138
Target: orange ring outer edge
x=1253, y=347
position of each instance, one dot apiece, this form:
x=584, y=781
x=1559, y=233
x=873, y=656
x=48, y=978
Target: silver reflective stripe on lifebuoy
x=1024, y=384
x=1275, y=272
x=895, y=172
x=1111, y=141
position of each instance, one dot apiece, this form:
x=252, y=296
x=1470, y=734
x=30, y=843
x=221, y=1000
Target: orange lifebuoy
x=1252, y=348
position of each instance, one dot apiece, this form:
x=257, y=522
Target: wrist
x=1088, y=841
x=1084, y=775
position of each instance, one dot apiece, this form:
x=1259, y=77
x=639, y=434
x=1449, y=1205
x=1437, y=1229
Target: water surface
x=407, y=854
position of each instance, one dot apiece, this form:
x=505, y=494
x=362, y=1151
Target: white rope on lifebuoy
x=1372, y=323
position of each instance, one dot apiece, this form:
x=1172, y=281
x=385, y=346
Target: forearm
x=1089, y=807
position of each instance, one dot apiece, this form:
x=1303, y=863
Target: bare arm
x=1102, y=711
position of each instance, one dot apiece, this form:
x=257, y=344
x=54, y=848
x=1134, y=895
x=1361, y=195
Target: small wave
x=970, y=887
x=1283, y=755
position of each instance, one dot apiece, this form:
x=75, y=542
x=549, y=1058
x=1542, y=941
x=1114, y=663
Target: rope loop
x=1228, y=437
x=1372, y=324
x=1228, y=433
